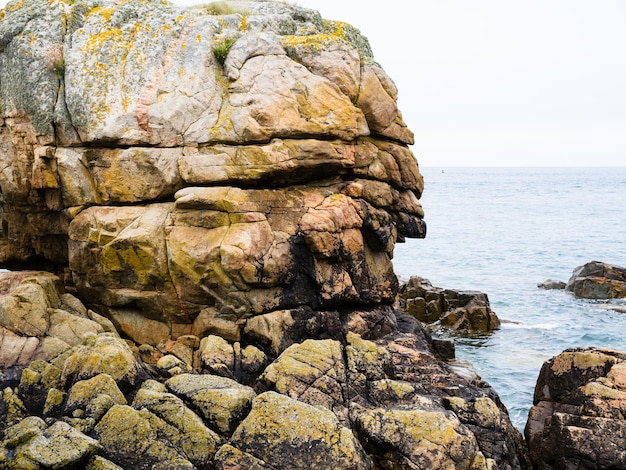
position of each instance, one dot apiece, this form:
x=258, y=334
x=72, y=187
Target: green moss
x=222, y=48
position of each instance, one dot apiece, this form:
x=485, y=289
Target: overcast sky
x=501, y=82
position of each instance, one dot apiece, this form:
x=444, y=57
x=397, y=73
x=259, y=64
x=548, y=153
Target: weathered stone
x=286, y=433
x=231, y=458
x=465, y=312
x=128, y=118
x=139, y=439
x=597, y=280
x=58, y=446
x=104, y=354
x=419, y=439
x=578, y=413
x=222, y=402
x=93, y=397
x=197, y=442
x=312, y=372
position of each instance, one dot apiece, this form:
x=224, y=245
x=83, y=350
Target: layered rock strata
x=187, y=171
x=217, y=195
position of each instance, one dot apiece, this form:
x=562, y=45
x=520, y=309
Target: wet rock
x=578, y=413
x=597, y=280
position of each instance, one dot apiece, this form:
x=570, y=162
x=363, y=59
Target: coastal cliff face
x=199, y=169
x=218, y=195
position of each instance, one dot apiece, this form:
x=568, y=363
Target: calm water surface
x=503, y=230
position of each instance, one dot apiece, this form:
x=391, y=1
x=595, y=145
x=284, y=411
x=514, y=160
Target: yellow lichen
x=579, y=360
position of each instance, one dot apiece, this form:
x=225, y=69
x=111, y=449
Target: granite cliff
x=197, y=170
x=216, y=194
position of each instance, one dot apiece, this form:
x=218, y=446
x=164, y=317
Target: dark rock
x=578, y=418
x=597, y=280
x=465, y=312
x=552, y=284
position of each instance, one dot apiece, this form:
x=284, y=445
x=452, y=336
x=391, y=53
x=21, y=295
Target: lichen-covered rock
x=104, y=354
x=31, y=444
x=139, y=439
x=187, y=171
x=313, y=372
x=285, y=433
x=578, y=414
x=222, y=402
x=197, y=441
x=597, y=280
x=419, y=438
x=465, y=312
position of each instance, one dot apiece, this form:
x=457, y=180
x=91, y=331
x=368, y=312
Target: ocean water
x=503, y=230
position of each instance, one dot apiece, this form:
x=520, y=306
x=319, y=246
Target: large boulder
x=186, y=171
x=597, y=280
x=279, y=428
x=577, y=420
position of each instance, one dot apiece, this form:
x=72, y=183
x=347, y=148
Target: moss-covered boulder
x=285, y=433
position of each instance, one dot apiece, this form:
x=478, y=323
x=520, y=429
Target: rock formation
x=577, y=420
x=597, y=280
x=169, y=188
x=217, y=195
x=464, y=312
x=366, y=393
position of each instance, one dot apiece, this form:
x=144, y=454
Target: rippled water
x=503, y=230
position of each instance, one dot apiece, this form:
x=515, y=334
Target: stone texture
x=222, y=402
x=597, y=280
x=232, y=212
x=31, y=444
x=465, y=312
x=278, y=428
x=577, y=420
x=179, y=193
x=420, y=439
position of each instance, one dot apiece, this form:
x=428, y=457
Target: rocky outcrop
x=372, y=394
x=597, y=280
x=577, y=420
x=465, y=312
x=225, y=189
x=184, y=171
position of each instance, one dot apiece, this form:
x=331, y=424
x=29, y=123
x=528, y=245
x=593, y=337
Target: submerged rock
x=597, y=280
x=577, y=420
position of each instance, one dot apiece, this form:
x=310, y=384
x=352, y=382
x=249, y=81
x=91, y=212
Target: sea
x=502, y=231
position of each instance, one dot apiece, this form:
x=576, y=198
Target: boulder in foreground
x=578, y=417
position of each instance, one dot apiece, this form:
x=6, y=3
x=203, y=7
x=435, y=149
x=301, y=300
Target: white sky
x=501, y=82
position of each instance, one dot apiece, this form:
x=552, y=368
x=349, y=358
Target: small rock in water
x=550, y=284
